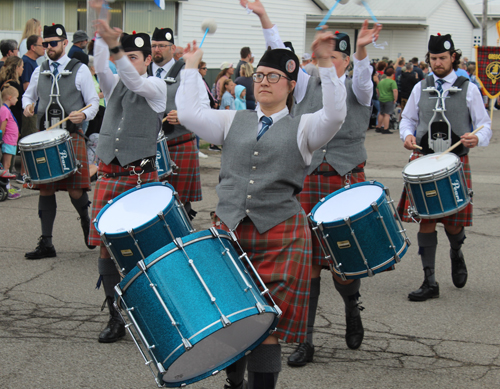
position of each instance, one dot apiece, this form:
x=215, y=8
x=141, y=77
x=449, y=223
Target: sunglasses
x=52, y=43
x=203, y=68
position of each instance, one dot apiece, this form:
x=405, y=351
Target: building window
x=477, y=41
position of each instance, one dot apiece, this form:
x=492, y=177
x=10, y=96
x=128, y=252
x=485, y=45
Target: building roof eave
x=469, y=13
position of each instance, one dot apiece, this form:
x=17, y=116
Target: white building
x=476, y=6
x=407, y=23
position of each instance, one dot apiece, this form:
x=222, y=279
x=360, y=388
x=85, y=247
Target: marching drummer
x=265, y=156
x=464, y=110
x=181, y=142
x=71, y=90
x=336, y=164
x=127, y=141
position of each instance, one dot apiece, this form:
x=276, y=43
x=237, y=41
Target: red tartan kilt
x=317, y=187
x=79, y=180
x=186, y=181
x=282, y=258
x=109, y=188
x=461, y=218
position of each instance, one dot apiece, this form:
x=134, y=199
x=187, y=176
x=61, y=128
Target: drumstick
x=62, y=121
x=460, y=141
x=418, y=147
x=164, y=119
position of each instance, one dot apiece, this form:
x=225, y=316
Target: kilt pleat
x=282, y=258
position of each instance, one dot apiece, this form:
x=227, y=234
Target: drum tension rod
x=369, y=271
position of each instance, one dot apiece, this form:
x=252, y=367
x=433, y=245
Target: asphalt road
x=50, y=311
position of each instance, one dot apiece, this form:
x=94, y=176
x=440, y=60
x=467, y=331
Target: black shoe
x=386, y=132
x=458, y=268
x=425, y=292
x=354, y=332
x=85, y=222
x=42, y=250
x=378, y=129
x=242, y=385
x=214, y=148
x=115, y=330
x=303, y=354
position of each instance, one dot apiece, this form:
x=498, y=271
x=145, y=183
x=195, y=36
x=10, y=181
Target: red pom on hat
x=439, y=34
x=53, y=24
x=337, y=32
x=133, y=32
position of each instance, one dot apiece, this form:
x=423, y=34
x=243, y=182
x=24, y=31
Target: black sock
x=81, y=205
x=313, y=307
x=264, y=366
x=456, y=240
x=427, y=243
x=47, y=207
x=350, y=295
x=236, y=371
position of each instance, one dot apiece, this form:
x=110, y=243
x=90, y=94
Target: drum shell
x=150, y=236
x=163, y=161
x=370, y=235
x=438, y=194
x=50, y=160
x=198, y=319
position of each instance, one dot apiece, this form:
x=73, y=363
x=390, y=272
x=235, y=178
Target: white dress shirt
x=83, y=83
x=362, y=84
x=315, y=129
x=153, y=89
x=166, y=68
x=475, y=104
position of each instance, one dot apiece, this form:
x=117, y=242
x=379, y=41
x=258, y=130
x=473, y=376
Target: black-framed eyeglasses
x=52, y=43
x=272, y=78
x=160, y=46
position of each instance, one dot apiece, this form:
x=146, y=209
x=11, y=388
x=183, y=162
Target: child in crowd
x=227, y=91
x=240, y=101
x=10, y=131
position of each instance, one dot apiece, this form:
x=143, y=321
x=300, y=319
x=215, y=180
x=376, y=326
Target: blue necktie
x=56, y=65
x=440, y=83
x=266, y=123
x=158, y=72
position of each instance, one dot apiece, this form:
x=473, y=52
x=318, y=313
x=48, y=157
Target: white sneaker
x=201, y=155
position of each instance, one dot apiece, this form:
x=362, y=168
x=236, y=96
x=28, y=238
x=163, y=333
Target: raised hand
x=192, y=55
x=323, y=48
x=366, y=35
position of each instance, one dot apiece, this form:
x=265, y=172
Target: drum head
x=44, y=136
x=135, y=208
x=430, y=164
x=347, y=203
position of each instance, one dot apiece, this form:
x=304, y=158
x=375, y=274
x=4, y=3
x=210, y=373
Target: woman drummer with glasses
x=265, y=156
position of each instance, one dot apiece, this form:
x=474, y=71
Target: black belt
x=181, y=142
x=335, y=173
x=146, y=165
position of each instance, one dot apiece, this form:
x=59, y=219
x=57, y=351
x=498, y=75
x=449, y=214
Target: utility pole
x=484, y=39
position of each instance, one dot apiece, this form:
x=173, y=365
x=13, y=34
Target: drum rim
x=61, y=138
x=136, y=272
x=124, y=194
x=353, y=218
x=443, y=214
x=401, y=251
x=441, y=173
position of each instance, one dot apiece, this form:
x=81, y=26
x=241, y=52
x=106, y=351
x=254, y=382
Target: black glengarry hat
x=289, y=46
x=281, y=59
x=163, y=34
x=440, y=43
x=54, y=31
x=342, y=43
x=136, y=42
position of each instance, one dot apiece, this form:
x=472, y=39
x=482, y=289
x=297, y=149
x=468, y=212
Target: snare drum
x=194, y=308
x=48, y=156
x=436, y=186
x=164, y=164
x=140, y=221
x=359, y=230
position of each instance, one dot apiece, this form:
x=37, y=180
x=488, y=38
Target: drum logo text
x=456, y=187
x=158, y=157
x=64, y=156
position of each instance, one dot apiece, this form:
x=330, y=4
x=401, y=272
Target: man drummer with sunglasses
x=464, y=110
x=127, y=140
x=75, y=90
x=336, y=164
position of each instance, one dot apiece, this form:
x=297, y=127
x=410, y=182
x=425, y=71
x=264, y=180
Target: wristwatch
x=116, y=50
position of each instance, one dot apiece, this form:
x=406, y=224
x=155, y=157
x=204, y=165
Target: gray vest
x=456, y=111
x=130, y=128
x=347, y=149
x=69, y=97
x=260, y=179
x=173, y=131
